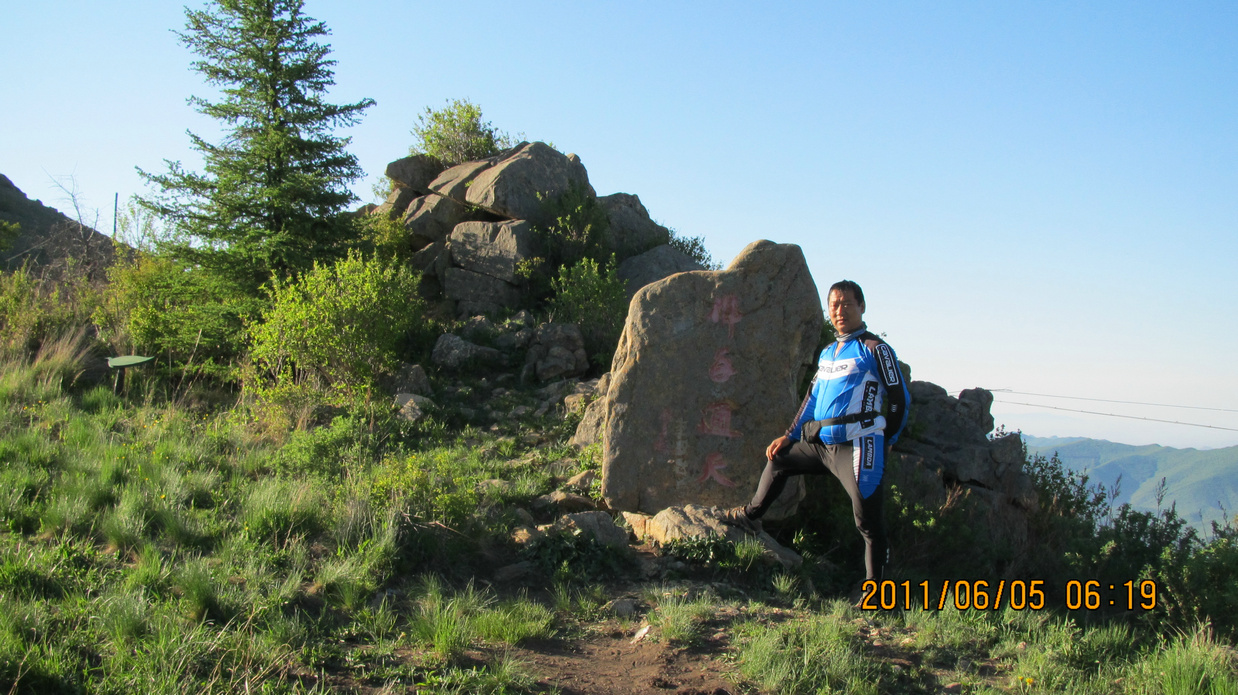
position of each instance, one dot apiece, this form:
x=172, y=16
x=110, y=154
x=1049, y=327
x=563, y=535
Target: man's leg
x=801, y=458
x=863, y=458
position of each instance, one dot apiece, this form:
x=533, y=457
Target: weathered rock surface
x=397, y=201
x=454, y=183
x=511, y=187
x=598, y=525
x=415, y=172
x=632, y=231
x=477, y=293
x=945, y=449
x=431, y=218
x=453, y=352
x=410, y=378
x=698, y=388
x=493, y=248
x=557, y=351
x=653, y=265
x=693, y=521
x=412, y=406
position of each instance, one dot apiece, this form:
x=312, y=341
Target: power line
x=1107, y=400
x=1130, y=417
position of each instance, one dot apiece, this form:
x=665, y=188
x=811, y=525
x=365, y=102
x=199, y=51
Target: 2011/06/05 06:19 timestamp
x=1018, y=594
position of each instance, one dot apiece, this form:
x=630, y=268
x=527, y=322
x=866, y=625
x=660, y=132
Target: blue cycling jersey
x=856, y=377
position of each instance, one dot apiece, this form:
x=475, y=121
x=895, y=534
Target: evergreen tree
x=271, y=197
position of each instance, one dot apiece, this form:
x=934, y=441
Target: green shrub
x=35, y=308
x=595, y=299
x=456, y=133
x=337, y=327
x=694, y=247
x=158, y=305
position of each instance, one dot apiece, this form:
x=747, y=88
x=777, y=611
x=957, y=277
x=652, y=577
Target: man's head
x=845, y=306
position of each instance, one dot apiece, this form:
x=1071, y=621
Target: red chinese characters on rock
x=714, y=463
x=721, y=370
x=726, y=310
x=716, y=420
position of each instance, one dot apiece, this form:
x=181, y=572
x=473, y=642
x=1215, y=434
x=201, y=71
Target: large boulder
x=632, y=231
x=706, y=374
x=431, y=218
x=653, y=265
x=519, y=185
x=415, y=172
x=493, y=248
x=454, y=183
x=477, y=293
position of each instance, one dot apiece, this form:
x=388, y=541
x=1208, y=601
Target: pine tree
x=271, y=197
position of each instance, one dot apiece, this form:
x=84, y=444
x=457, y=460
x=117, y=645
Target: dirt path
x=611, y=664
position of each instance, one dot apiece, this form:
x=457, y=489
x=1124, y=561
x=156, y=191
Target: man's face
x=845, y=313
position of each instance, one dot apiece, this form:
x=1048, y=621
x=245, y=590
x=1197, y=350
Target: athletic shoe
x=736, y=516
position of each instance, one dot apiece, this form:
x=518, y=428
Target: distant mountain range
x=1203, y=484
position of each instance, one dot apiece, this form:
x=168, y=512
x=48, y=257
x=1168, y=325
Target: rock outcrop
x=698, y=389
x=479, y=217
x=653, y=265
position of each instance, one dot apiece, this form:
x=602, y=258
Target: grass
x=150, y=547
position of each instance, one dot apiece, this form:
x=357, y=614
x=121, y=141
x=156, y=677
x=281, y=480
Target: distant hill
x=47, y=236
x=1203, y=484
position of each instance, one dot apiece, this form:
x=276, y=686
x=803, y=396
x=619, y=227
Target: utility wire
x=1107, y=400
x=1131, y=417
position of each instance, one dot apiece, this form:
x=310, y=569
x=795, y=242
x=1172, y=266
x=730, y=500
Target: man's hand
x=777, y=445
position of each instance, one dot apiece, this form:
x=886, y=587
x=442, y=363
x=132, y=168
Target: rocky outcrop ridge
x=472, y=226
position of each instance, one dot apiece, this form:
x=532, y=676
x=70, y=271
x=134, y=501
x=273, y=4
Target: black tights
x=802, y=458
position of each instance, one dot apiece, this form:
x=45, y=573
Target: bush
x=36, y=307
x=158, y=305
x=595, y=299
x=456, y=133
x=337, y=327
x=695, y=248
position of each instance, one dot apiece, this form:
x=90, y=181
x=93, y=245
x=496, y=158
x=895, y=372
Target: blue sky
x=1041, y=197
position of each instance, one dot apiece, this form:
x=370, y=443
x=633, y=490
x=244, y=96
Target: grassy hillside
x=1203, y=484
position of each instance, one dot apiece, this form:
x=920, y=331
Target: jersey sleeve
x=898, y=398
x=804, y=414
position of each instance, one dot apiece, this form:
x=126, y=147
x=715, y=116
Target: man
x=851, y=416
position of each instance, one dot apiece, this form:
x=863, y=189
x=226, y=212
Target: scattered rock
x=692, y=521
x=557, y=351
x=410, y=378
x=453, y=352
x=511, y=573
x=565, y=502
x=599, y=525
x=622, y=607
x=412, y=406
x=583, y=480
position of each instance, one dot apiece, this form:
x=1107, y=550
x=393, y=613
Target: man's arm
x=897, y=396
x=804, y=414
